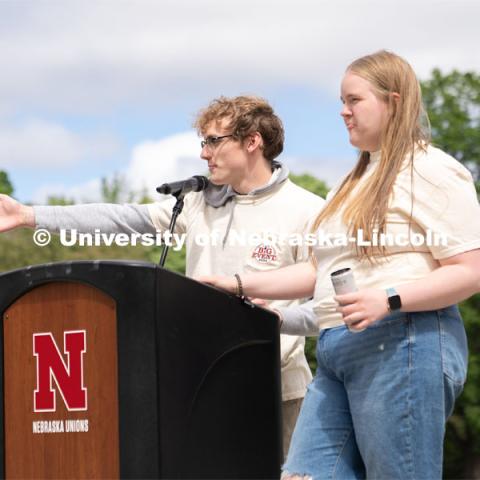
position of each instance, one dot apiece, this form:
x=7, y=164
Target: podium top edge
x=68, y=267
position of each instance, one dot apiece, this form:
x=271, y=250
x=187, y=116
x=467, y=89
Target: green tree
x=59, y=200
x=453, y=104
x=310, y=183
x=319, y=187
x=143, y=196
x=176, y=259
x=115, y=190
x=6, y=186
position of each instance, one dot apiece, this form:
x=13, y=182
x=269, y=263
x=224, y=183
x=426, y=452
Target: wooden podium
x=127, y=370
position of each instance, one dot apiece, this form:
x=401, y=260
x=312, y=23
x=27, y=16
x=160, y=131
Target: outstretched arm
x=294, y=281
x=105, y=217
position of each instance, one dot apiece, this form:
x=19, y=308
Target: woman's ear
x=395, y=96
x=393, y=99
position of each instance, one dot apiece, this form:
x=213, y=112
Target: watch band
x=391, y=292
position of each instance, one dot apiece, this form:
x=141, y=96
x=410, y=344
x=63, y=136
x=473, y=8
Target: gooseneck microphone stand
x=197, y=183
x=177, y=209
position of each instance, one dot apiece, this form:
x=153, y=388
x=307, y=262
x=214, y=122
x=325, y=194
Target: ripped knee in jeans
x=295, y=476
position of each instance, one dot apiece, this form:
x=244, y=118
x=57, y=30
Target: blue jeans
x=379, y=401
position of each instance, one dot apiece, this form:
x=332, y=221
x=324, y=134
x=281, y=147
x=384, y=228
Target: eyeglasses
x=212, y=141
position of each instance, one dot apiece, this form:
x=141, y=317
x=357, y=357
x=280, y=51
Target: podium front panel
x=190, y=376
x=219, y=372
x=61, y=384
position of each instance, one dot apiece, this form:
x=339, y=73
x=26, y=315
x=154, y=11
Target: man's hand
x=13, y=214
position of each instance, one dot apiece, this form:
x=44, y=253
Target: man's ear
x=254, y=141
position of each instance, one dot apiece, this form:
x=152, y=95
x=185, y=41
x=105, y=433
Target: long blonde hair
x=405, y=130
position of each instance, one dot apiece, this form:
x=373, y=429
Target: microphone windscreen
x=202, y=183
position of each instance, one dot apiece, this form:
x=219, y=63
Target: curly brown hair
x=245, y=114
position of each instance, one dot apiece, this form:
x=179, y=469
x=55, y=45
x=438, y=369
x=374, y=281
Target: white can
x=343, y=282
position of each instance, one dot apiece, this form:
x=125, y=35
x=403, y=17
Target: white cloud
x=176, y=157
x=85, y=192
x=87, y=56
x=109, y=59
x=153, y=162
x=38, y=143
x=173, y=158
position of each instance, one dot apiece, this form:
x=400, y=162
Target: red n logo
x=51, y=366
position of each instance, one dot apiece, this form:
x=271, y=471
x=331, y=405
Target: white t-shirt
x=445, y=214
x=250, y=233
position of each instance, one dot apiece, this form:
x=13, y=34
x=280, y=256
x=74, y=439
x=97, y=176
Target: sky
x=94, y=88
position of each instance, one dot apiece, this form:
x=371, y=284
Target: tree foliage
x=115, y=189
x=59, y=200
x=309, y=182
x=453, y=104
x=319, y=187
x=6, y=186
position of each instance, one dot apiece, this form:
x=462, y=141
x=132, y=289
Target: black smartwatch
x=394, y=301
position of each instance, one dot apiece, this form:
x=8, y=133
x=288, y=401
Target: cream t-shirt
x=445, y=214
x=250, y=233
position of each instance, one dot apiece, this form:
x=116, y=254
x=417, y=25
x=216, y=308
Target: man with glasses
x=249, y=210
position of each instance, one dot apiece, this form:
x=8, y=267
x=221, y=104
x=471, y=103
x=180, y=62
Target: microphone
x=196, y=183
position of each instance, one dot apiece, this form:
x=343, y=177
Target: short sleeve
x=446, y=206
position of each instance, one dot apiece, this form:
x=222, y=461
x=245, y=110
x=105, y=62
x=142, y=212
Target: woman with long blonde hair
x=392, y=355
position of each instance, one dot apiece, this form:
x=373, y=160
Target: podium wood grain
x=58, y=307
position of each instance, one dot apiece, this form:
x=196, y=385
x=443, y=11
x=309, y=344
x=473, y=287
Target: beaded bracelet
x=239, y=291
